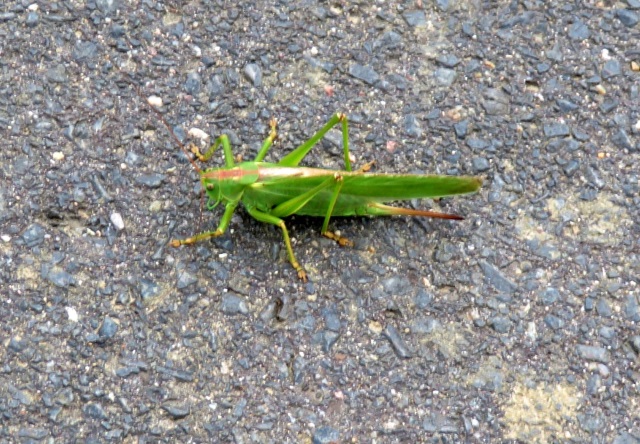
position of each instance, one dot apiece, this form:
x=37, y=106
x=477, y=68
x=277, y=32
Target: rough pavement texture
x=518, y=323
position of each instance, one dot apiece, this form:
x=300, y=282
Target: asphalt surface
x=518, y=324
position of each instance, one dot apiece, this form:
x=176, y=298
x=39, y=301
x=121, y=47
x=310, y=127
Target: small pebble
x=254, y=74
x=579, y=31
x=232, y=305
x=151, y=180
x=155, y=101
x=480, y=164
x=553, y=322
x=592, y=353
x=32, y=19
x=600, y=89
x=497, y=279
x=108, y=329
x=60, y=278
x=566, y=105
x=412, y=127
x=635, y=343
x=193, y=83
x=155, y=206
x=94, y=410
x=185, y=279
x=415, y=18
x=326, y=435
x=364, y=73
x=398, y=344
x=198, y=134
x=58, y=156
x=445, y=76
x=72, y=313
x=375, y=327
x=177, y=412
x=500, y=324
x=627, y=17
x=556, y=130
x=611, y=68
x=116, y=220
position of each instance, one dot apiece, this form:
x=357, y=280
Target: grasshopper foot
x=342, y=241
x=196, y=151
x=302, y=275
x=366, y=167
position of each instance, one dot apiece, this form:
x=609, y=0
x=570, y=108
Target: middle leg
x=295, y=157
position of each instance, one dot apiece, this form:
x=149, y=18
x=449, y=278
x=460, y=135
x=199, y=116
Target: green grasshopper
x=271, y=191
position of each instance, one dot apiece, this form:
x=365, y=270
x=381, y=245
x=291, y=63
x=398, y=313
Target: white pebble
x=198, y=134
x=57, y=156
x=155, y=101
x=72, y=313
x=116, y=220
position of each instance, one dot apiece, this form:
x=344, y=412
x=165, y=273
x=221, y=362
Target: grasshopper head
x=227, y=184
x=212, y=187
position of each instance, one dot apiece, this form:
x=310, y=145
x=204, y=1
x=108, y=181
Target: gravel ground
x=517, y=324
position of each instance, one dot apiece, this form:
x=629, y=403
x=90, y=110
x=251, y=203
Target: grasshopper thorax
x=228, y=183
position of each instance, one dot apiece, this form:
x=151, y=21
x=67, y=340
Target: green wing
x=359, y=190
x=389, y=187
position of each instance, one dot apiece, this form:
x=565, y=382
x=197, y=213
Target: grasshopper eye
x=210, y=186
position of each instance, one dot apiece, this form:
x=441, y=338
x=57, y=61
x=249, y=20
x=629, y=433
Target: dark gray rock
x=232, y=305
x=412, y=127
x=151, y=180
x=622, y=140
x=500, y=324
x=193, y=84
x=57, y=74
x=60, y=278
x=496, y=278
x=33, y=18
x=326, y=435
x=611, y=68
x=579, y=31
x=627, y=17
x=480, y=164
x=33, y=235
x=592, y=353
x=95, y=410
x=445, y=76
x=253, y=73
x=554, y=322
x=556, y=130
x=398, y=344
x=176, y=411
x=108, y=329
x=626, y=438
x=549, y=296
x=32, y=433
x=566, y=105
x=415, y=18
x=364, y=73
x=603, y=308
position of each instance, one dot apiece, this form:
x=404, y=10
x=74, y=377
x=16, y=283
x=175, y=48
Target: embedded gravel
x=519, y=323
